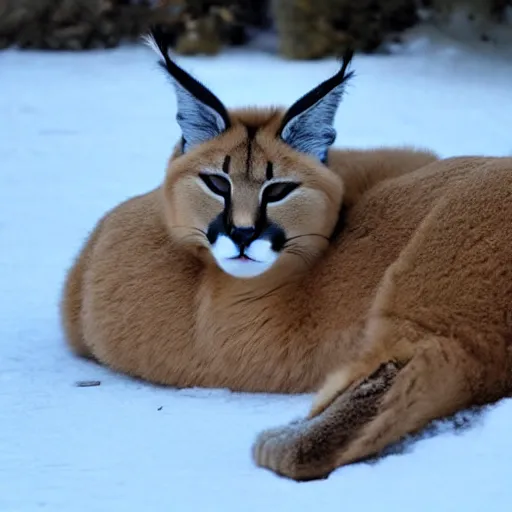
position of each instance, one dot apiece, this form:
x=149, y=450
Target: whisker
x=191, y=239
x=293, y=245
x=304, y=256
x=307, y=234
x=191, y=235
x=190, y=228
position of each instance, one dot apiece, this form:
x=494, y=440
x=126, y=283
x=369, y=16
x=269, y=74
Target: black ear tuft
x=307, y=125
x=201, y=115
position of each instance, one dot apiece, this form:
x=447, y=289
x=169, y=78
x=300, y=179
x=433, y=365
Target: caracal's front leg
x=440, y=337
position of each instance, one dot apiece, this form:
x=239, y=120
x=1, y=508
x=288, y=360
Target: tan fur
x=409, y=306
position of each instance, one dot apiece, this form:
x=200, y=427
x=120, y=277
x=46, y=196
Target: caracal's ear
x=201, y=115
x=307, y=126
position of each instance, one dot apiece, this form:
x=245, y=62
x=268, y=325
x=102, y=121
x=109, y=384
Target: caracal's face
x=252, y=202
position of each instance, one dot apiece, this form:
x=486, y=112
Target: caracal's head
x=249, y=191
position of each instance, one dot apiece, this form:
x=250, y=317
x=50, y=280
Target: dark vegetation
x=306, y=29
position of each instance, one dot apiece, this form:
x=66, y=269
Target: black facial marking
x=276, y=236
x=215, y=228
x=270, y=170
x=226, y=213
x=222, y=223
x=251, y=134
x=225, y=164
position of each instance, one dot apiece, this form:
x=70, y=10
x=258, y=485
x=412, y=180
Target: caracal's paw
x=289, y=451
x=312, y=448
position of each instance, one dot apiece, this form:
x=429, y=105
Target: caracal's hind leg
x=440, y=339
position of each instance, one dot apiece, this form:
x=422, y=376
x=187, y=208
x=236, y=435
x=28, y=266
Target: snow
x=80, y=133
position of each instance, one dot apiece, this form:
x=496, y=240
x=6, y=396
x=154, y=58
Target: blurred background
x=301, y=29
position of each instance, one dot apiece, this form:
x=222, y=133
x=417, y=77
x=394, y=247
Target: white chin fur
x=260, y=251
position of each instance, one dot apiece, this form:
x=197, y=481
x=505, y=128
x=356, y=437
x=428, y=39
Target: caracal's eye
x=278, y=191
x=216, y=183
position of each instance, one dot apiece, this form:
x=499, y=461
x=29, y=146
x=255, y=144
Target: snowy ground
x=78, y=134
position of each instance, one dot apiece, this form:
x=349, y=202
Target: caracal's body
x=257, y=268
